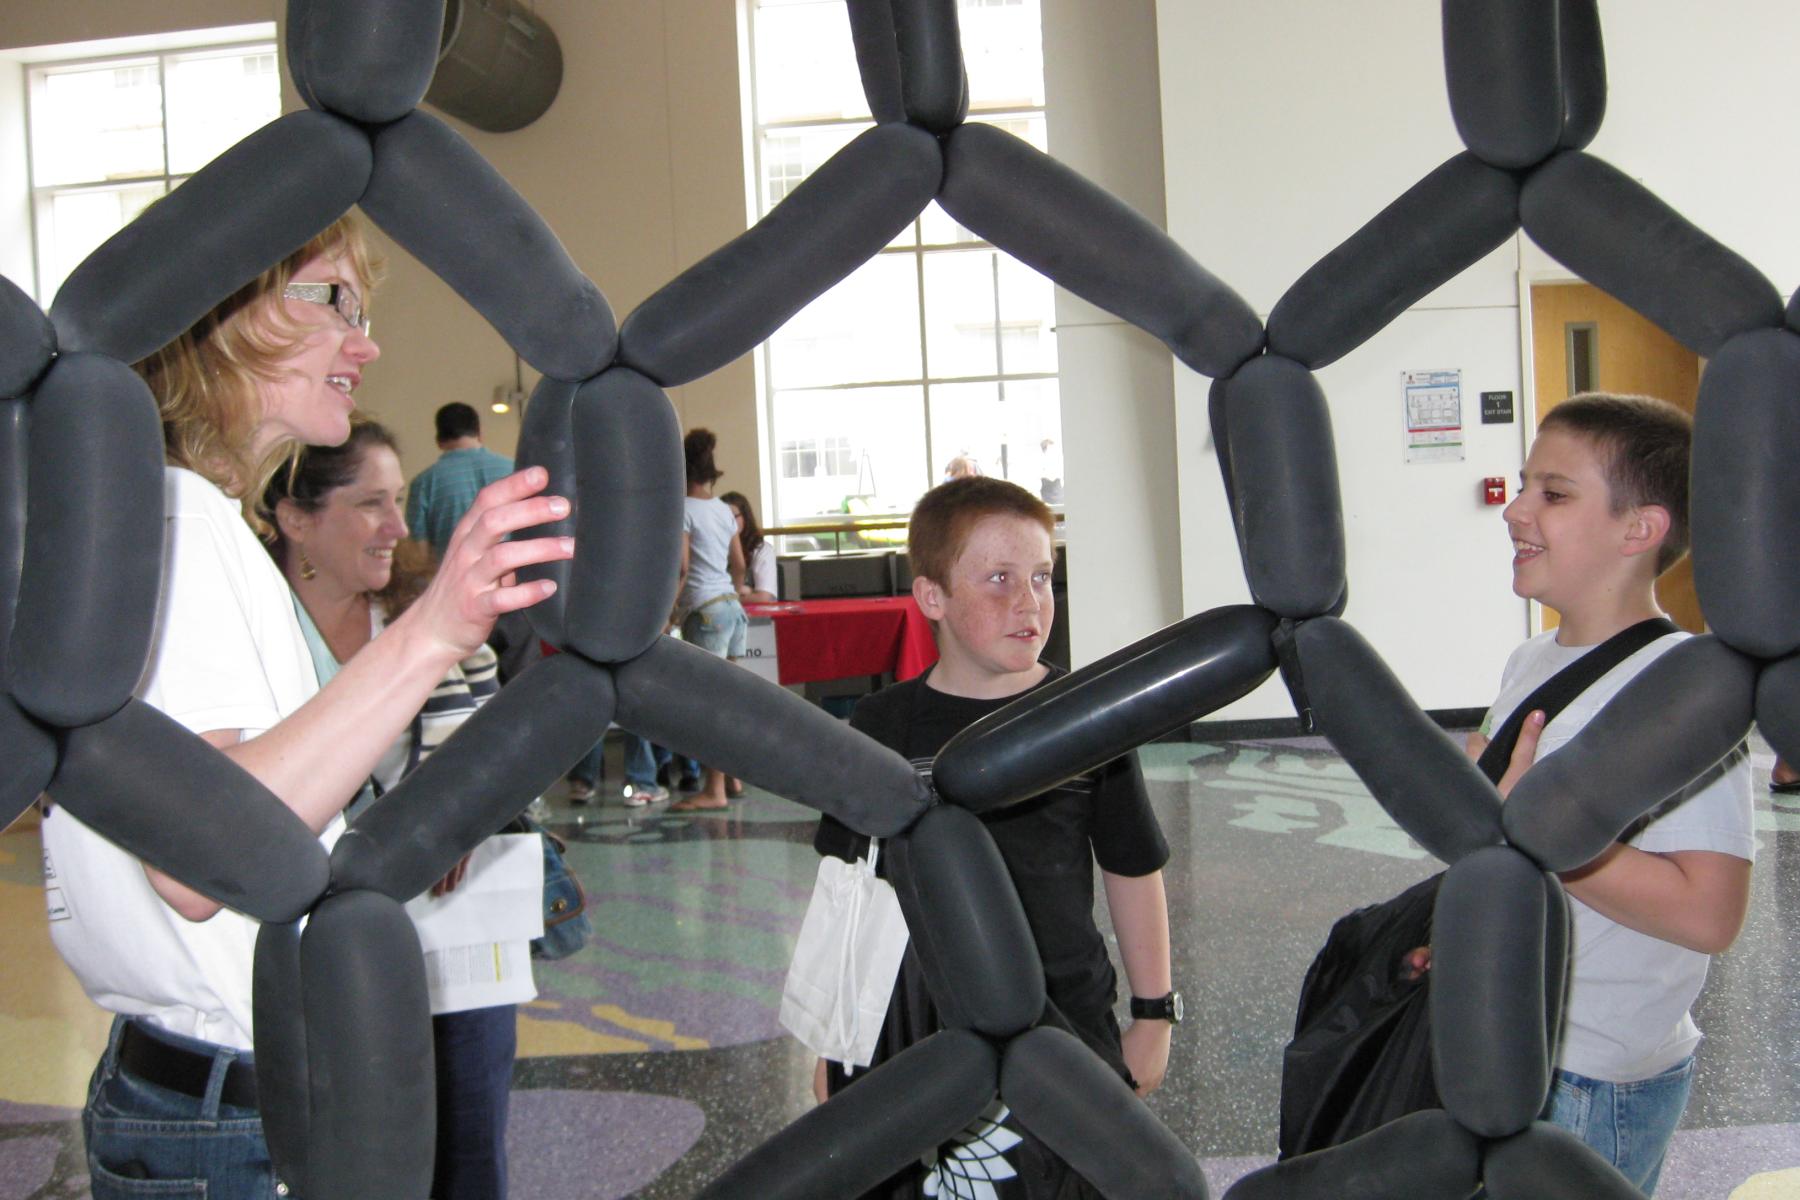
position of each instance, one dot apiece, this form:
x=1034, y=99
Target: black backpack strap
x=1558, y=691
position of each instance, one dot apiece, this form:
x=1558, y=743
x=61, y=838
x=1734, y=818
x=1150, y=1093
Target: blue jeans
x=1628, y=1124
x=592, y=767
x=144, y=1140
x=641, y=761
x=474, y=1052
x=718, y=627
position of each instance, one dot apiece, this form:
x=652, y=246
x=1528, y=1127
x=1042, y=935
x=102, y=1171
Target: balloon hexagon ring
x=340, y=1010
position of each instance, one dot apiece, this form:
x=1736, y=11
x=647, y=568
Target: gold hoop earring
x=307, y=570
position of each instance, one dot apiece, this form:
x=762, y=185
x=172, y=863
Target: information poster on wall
x=1434, y=421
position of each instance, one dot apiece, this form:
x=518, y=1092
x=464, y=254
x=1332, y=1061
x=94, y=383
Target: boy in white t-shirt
x=1601, y=512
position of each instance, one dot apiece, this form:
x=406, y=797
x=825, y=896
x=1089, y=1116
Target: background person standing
x=443, y=492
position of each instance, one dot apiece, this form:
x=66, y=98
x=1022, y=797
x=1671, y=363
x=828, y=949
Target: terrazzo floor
x=653, y=1058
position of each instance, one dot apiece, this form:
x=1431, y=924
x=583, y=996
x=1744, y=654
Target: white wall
x=1118, y=409
x=1287, y=124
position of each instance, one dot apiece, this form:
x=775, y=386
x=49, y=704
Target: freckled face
x=351, y=539
x=997, y=610
x=311, y=402
x=1565, y=535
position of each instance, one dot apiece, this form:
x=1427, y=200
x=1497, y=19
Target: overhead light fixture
x=507, y=398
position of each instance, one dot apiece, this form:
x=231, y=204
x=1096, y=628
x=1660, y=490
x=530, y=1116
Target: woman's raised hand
x=475, y=584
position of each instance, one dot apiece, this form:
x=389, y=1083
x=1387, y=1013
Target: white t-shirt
x=1629, y=993
x=228, y=654
x=762, y=570
x=710, y=526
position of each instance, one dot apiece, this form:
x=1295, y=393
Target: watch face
x=1175, y=1006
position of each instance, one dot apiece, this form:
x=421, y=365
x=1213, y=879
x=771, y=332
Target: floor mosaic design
x=652, y=1059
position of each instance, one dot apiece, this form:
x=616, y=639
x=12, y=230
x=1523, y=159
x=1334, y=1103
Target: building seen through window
x=940, y=346
x=110, y=135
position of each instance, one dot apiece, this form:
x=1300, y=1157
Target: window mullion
x=162, y=95
x=924, y=362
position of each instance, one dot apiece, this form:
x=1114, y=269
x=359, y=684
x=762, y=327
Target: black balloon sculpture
x=340, y=1010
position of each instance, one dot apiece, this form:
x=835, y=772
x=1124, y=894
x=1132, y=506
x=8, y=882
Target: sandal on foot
x=688, y=805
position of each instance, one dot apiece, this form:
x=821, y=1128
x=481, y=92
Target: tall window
x=110, y=135
x=939, y=347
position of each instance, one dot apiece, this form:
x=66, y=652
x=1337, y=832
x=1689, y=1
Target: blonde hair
x=207, y=382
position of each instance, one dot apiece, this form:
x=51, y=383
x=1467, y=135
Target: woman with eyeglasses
x=171, y=1109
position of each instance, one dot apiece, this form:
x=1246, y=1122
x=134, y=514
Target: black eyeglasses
x=337, y=295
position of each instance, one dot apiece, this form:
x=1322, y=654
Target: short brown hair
x=205, y=381
x=1644, y=446
x=943, y=518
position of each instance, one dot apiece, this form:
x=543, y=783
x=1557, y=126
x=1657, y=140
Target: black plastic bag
x=1361, y=1054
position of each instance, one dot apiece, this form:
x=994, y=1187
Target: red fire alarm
x=1493, y=490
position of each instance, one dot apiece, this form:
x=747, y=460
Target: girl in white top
x=272, y=367
x=712, y=572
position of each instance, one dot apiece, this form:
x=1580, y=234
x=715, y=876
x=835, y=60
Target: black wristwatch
x=1164, y=1008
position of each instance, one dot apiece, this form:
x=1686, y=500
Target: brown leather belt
x=180, y=1070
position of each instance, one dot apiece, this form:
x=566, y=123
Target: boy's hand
x=1146, y=1046
x=1524, y=753
x=819, y=1092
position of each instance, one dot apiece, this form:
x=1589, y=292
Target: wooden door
x=1578, y=329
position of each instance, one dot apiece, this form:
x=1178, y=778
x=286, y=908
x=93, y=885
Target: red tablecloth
x=830, y=639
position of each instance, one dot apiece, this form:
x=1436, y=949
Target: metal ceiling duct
x=499, y=65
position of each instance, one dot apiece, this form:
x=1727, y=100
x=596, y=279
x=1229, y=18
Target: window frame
x=921, y=251
x=34, y=71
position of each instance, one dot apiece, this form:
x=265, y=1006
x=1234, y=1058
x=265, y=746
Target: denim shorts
x=144, y=1140
x=1631, y=1124
x=718, y=627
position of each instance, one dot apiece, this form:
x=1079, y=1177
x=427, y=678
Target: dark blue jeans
x=474, y=1084
x=144, y=1140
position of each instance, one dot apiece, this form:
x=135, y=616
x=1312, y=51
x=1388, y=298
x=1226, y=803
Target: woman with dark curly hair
x=340, y=540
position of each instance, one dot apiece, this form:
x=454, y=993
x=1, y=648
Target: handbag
x=566, y=923
x=847, y=956
x=1361, y=1052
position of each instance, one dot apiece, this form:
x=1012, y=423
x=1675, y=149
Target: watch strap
x=1162, y=1008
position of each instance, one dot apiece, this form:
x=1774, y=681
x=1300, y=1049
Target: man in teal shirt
x=443, y=492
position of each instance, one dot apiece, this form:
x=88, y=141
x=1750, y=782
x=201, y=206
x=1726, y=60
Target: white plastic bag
x=845, y=962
